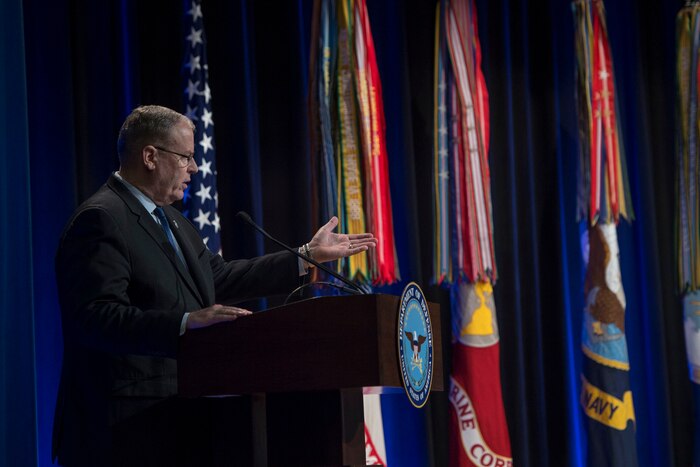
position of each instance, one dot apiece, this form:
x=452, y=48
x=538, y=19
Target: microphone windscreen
x=244, y=216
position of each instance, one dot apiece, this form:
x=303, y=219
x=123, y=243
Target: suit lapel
x=146, y=221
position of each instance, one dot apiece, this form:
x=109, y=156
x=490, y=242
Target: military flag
x=478, y=428
x=603, y=197
x=201, y=198
x=688, y=204
x=464, y=251
x=349, y=159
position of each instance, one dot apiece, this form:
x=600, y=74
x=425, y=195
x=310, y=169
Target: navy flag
x=201, y=198
x=606, y=395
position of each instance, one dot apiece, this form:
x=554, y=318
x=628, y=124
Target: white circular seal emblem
x=415, y=339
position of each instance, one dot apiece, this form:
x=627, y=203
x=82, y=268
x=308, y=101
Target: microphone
x=356, y=289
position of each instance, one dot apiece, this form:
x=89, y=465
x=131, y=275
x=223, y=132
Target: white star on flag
x=205, y=168
x=202, y=219
x=191, y=89
x=193, y=64
x=206, y=143
x=191, y=113
x=203, y=193
x=195, y=11
x=207, y=118
x=195, y=37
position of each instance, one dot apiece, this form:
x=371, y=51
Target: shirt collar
x=147, y=202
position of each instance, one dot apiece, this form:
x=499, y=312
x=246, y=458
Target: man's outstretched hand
x=328, y=246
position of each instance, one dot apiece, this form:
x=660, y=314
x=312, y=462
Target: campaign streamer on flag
x=464, y=251
x=462, y=186
x=349, y=147
x=349, y=159
x=201, y=198
x=321, y=95
x=371, y=109
x=687, y=211
x=603, y=197
x=603, y=187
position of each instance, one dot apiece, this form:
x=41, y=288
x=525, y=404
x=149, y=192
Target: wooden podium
x=306, y=365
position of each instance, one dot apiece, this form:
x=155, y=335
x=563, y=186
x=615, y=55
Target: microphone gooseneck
x=247, y=219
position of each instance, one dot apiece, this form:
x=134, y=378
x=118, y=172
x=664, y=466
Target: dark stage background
x=70, y=71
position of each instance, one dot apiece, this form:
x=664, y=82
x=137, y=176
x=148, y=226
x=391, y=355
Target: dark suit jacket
x=123, y=292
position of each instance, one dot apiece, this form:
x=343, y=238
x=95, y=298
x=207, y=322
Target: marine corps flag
x=478, y=429
x=464, y=253
x=603, y=197
x=688, y=207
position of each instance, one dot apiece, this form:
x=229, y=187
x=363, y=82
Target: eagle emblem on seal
x=416, y=343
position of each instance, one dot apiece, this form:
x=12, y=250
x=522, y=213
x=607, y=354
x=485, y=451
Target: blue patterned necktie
x=169, y=233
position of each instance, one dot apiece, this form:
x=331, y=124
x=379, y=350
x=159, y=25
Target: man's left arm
x=278, y=273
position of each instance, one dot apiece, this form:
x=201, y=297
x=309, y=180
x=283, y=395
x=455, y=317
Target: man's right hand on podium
x=213, y=315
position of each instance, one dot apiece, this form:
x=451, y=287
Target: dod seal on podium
x=415, y=342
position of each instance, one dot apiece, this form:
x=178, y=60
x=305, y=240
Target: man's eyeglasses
x=183, y=159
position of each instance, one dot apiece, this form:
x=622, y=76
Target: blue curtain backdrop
x=53, y=189
x=18, y=438
x=71, y=70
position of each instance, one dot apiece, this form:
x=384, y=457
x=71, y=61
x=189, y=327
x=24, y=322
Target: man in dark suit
x=133, y=276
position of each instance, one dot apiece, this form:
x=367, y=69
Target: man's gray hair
x=147, y=124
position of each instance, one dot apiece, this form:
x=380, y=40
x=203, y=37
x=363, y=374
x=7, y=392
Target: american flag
x=201, y=198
